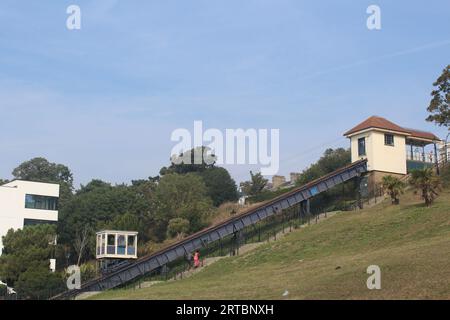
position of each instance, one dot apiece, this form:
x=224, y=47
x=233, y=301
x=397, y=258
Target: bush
x=88, y=271
x=3, y=290
x=445, y=176
x=177, y=227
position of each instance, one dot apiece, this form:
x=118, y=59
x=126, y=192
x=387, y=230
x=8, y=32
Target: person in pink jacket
x=196, y=259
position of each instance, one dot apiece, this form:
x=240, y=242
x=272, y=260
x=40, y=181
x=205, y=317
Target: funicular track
x=214, y=233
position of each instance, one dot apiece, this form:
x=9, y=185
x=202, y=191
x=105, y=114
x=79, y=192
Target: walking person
x=196, y=259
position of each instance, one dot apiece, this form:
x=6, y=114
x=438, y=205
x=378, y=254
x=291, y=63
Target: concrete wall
x=12, y=204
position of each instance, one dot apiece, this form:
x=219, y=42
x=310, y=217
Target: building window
x=389, y=139
x=361, y=147
x=33, y=222
x=41, y=202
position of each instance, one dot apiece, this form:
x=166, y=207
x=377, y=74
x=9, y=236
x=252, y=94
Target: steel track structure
x=202, y=238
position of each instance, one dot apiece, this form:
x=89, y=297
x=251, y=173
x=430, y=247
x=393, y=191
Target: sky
x=105, y=99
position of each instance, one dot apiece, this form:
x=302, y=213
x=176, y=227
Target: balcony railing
x=421, y=157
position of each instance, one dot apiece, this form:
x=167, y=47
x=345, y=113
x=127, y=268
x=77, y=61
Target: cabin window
x=389, y=139
x=131, y=247
x=102, y=251
x=121, y=244
x=361, y=147
x=111, y=247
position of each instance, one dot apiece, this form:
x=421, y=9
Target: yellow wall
x=381, y=157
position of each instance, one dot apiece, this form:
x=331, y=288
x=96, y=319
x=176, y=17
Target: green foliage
x=330, y=161
x=394, y=187
x=88, y=271
x=255, y=186
x=2, y=182
x=177, y=227
x=195, y=160
x=427, y=183
x=3, y=290
x=39, y=283
x=100, y=205
x=220, y=186
x=41, y=170
x=126, y=222
x=182, y=196
x=439, y=104
x=24, y=263
x=445, y=176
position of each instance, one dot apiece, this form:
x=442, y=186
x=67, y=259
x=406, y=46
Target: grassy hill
x=409, y=242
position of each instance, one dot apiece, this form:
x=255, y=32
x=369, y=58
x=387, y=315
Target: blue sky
x=104, y=99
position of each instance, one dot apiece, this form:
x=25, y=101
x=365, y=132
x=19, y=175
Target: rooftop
x=376, y=122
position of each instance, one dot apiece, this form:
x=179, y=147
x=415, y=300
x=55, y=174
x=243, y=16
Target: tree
x=39, y=283
x=195, y=160
x=255, y=185
x=25, y=264
x=221, y=187
x=81, y=241
x=394, y=187
x=427, y=183
x=177, y=227
x=127, y=222
x=2, y=182
x=331, y=160
x=439, y=105
x=181, y=196
x=41, y=170
x=100, y=205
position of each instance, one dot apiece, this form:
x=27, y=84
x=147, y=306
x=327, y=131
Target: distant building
x=278, y=181
x=390, y=148
x=294, y=177
x=24, y=203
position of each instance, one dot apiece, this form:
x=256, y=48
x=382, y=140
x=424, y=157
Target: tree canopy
x=25, y=262
x=255, y=185
x=41, y=170
x=439, y=104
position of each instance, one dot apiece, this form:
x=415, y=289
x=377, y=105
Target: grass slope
x=410, y=243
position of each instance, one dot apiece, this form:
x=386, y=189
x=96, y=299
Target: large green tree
x=99, y=205
x=221, y=187
x=41, y=170
x=24, y=263
x=182, y=196
x=195, y=160
x=439, y=104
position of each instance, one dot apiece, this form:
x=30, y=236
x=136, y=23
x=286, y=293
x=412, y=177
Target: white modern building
x=25, y=203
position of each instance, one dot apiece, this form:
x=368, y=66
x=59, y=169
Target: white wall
x=12, y=204
x=381, y=157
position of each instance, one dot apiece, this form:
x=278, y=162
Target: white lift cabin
x=113, y=244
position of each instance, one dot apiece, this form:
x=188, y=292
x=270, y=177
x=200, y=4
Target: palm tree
x=394, y=187
x=426, y=182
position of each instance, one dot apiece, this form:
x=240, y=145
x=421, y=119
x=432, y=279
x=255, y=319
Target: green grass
x=410, y=243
